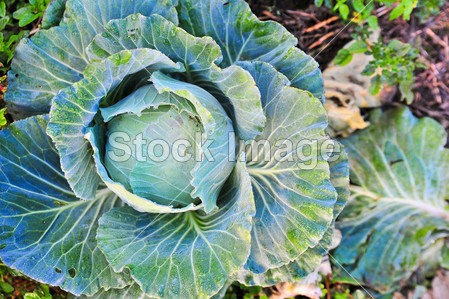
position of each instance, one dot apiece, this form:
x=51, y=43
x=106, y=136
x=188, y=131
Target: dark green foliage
x=17, y=18
x=30, y=12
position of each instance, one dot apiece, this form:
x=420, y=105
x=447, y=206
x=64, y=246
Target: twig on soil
x=322, y=24
x=36, y=27
x=381, y=11
x=270, y=16
x=328, y=287
x=323, y=39
x=303, y=14
x=436, y=39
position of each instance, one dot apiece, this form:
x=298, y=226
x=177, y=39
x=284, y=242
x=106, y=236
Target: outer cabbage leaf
x=294, y=205
x=183, y=255
x=54, y=59
x=53, y=14
x=305, y=264
x=74, y=109
x=242, y=37
x=46, y=232
x=398, y=208
x=310, y=260
x=222, y=293
x=233, y=86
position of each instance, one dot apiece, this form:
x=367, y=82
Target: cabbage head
x=167, y=148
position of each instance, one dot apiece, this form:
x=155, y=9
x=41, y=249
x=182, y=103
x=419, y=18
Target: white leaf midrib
x=437, y=211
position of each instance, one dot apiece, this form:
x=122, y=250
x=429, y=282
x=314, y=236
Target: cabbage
x=170, y=147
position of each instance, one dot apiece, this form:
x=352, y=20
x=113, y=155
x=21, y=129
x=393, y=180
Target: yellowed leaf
x=343, y=120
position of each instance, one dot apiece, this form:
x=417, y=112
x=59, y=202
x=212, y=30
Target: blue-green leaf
x=187, y=254
x=308, y=261
x=238, y=32
x=302, y=71
x=46, y=232
x=294, y=195
x=398, y=207
x=305, y=264
x=41, y=67
x=53, y=14
x=155, y=32
x=233, y=86
x=54, y=59
x=339, y=167
x=242, y=37
x=74, y=108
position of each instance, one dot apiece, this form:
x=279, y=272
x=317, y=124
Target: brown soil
x=319, y=32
